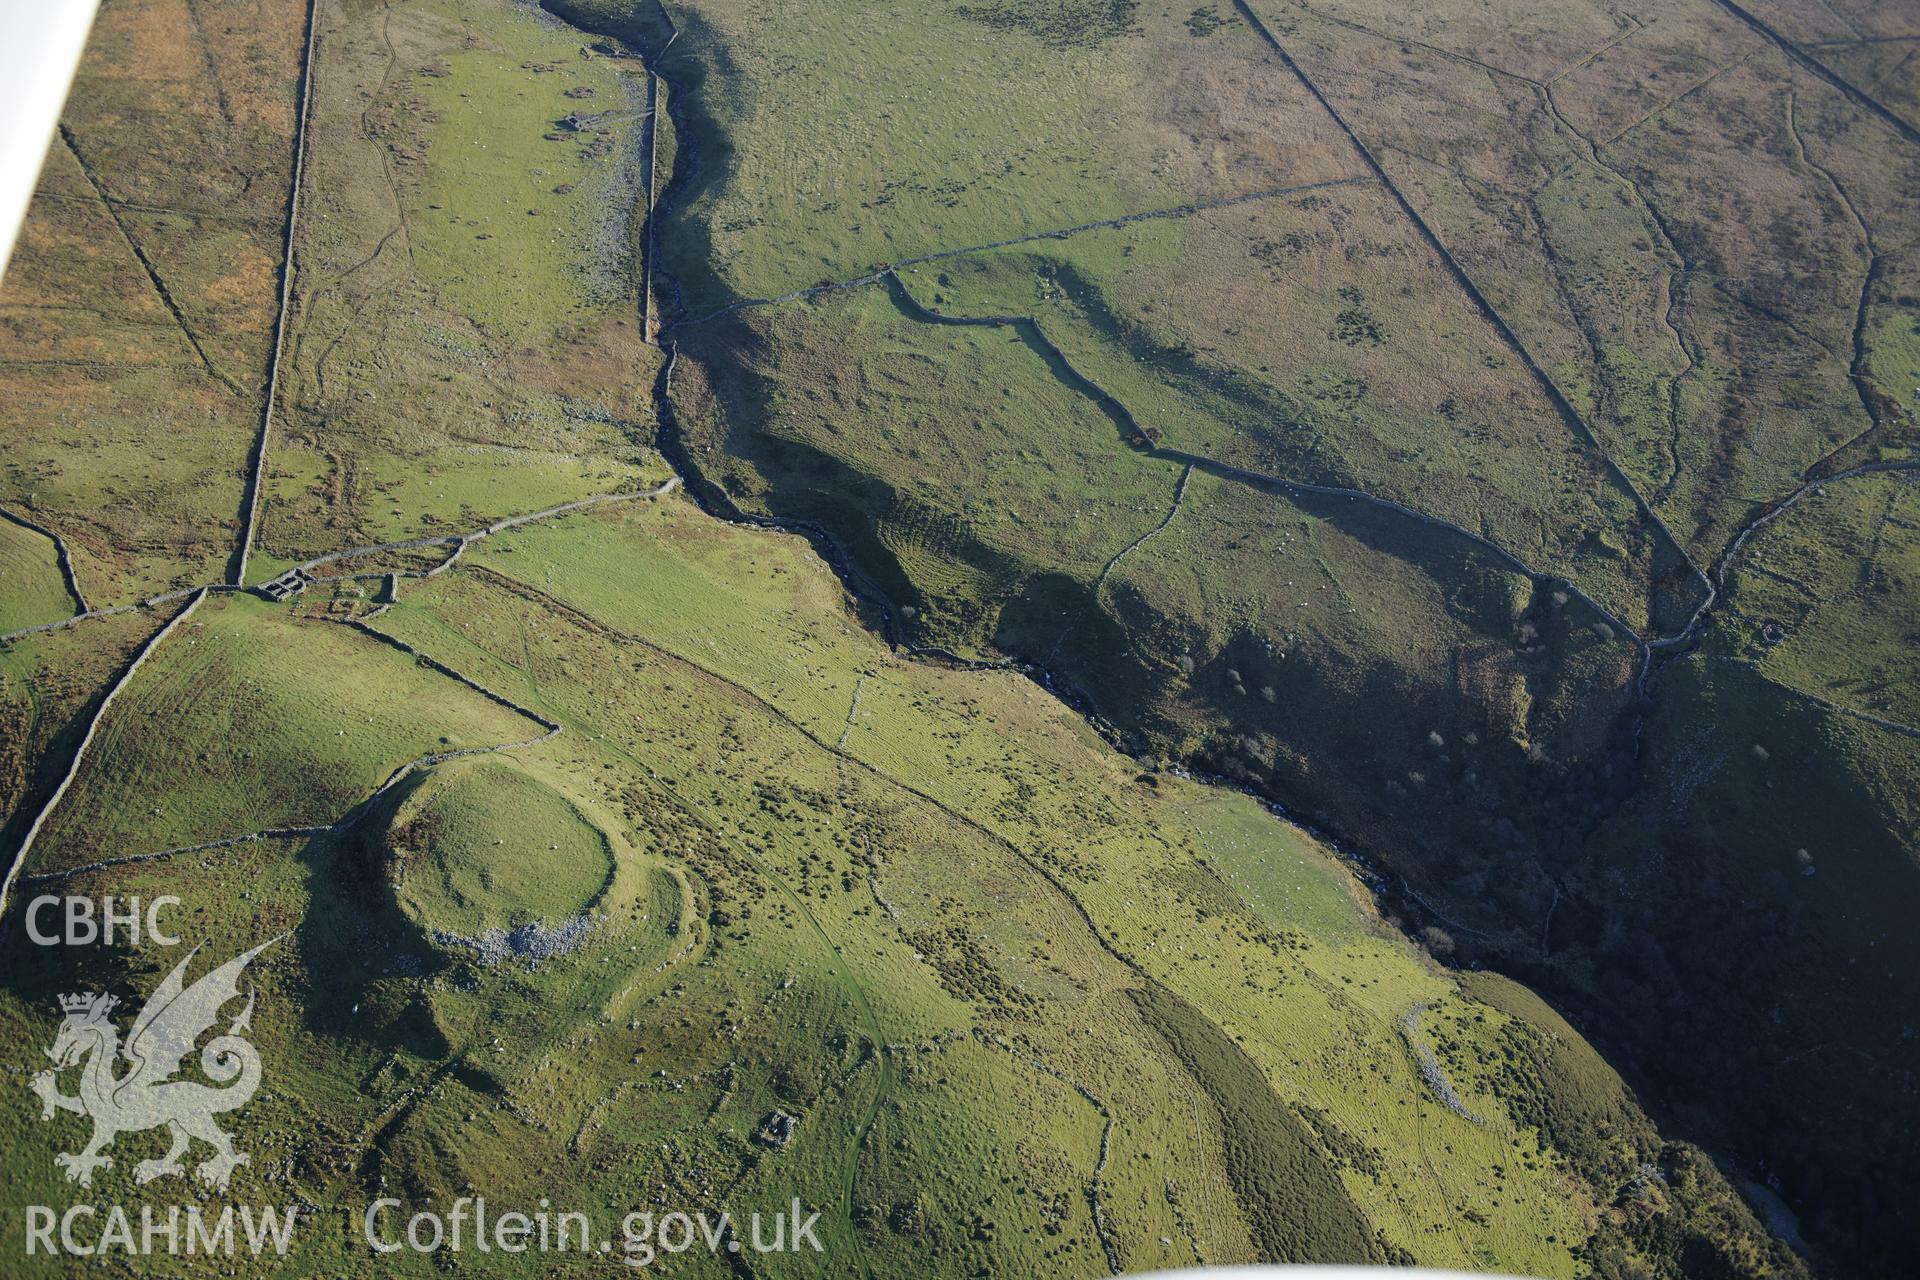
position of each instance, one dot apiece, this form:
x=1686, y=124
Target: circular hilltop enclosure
x=482, y=845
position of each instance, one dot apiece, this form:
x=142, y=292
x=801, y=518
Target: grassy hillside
x=1822, y=597
x=1286, y=635
x=991, y=967
x=1375, y=373
x=263, y=722
x=49, y=684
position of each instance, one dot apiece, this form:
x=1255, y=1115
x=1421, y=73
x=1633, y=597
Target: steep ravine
x=1397, y=897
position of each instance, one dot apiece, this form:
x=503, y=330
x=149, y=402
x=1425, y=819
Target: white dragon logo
x=145, y=1097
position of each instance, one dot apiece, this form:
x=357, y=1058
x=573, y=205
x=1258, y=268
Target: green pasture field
x=904, y=936
x=1313, y=337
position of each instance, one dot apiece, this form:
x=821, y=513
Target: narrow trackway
x=60, y=553
x=257, y=471
x=1106, y=570
x=1407, y=42
x=400, y=230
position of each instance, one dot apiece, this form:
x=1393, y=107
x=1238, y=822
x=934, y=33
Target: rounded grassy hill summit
x=483, y=845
